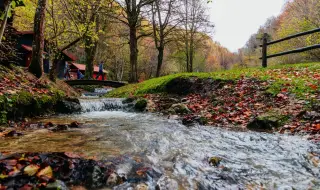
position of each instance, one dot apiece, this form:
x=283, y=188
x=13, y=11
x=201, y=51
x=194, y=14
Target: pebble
x=113, y=180
x=141, y=186
x=215, y=161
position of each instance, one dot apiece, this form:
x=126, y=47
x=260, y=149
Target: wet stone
x=59, y=128
x=49, y=124
x=68, y=106
x=185, y=100
x=113, y=180
x=141, y=186
x=215, y=161
x=316, y=107
x=57, y=185
x=74, y=125
x=267, y=122
x=12, y=133
x=128, y=100
x=179, y=109
x=141, y=105
x=312, y=115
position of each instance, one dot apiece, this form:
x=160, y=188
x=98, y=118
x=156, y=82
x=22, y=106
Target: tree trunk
x=36, y=66
x=53, y=70
x=90, y=50
x=4, y=22
x=133, y=55
x=191, y=54
x=187, y=35
x=160, y=60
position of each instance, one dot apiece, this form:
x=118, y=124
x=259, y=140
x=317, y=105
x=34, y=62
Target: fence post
x=264, y=50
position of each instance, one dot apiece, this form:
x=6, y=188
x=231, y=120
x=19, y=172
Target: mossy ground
x=302, y=80
x=21, y=90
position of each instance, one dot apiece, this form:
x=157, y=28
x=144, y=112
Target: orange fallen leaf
x=317, y=127
x=46, y=172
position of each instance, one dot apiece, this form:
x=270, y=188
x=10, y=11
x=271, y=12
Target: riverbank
x=283, y=98
x=22, y=95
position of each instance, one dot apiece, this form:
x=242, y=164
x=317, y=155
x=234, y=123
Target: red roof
x=70, y=55
x=82, y=67
x=25, y=32
x=28, y=48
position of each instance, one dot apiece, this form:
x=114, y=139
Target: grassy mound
x=300, y=79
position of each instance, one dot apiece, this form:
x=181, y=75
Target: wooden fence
x=265, y=45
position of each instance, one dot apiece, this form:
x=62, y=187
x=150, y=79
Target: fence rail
x=265, y=45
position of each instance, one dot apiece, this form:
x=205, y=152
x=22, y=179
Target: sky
x=236, y=20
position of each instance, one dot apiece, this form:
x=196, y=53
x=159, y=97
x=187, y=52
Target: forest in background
x=99, y=30
x=161, y=37
x=297, y=16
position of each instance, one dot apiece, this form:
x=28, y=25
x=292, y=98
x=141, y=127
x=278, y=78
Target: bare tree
x=164, y=23
x=196, y=25
x=131, y=16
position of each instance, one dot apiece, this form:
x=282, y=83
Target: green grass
x=300, y=79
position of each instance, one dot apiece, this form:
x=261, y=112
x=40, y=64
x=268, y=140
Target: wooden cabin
x=24, y=46
x=75, y=66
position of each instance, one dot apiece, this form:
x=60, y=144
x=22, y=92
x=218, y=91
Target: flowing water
x=179, y=154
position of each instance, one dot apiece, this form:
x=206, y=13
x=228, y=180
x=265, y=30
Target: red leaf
x=313, y=86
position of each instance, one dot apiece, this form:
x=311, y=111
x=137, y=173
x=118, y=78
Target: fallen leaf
x=317, y=128
x=14, y=172
x=27, y=187
x=2, y=176
x=11, y=162
x=3, y=187
x=31, y=170
x=72, y=155
x=46, y=172
x=313, y=86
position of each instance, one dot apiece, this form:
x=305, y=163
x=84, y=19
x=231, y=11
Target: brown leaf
x=46, y=172
x=26, y=187
x=11, y=162
x=14, y=172
x=72, y=155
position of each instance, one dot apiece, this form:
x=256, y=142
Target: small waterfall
x=102, y=90
x=101, y=104
x=97, y=93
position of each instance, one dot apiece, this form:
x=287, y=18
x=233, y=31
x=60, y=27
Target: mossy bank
x=299, y=79
x=22, y=95
x=237, y=98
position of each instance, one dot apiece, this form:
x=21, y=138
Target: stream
x=178, y=154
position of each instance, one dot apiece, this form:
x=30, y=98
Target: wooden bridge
x=114, y=84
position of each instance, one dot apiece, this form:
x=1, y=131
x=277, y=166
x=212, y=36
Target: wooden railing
x=265, y=45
